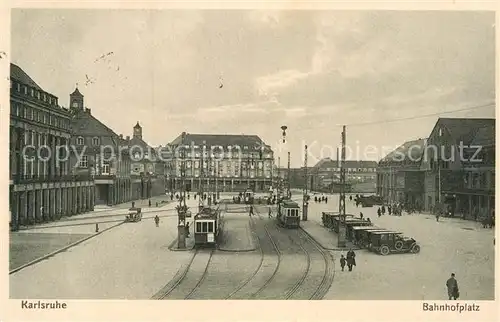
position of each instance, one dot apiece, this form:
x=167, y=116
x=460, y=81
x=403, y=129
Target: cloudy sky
x=310, y=70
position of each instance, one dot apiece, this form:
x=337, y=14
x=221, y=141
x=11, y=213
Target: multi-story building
x=400, y=178
x=101, y=153
x=358, y=172
x=42, y=188
x=147, y=168
x=223, y=162
x=455, y=177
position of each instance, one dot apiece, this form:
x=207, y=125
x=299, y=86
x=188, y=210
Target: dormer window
x=95, y=141
x=74, y=104
x=440, y=132
x=18, y=87
x=32, y=92
x=25, y=90
x=79, y=140
x=38, y=95
x=44, y=97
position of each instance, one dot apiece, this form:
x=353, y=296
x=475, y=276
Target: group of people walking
x=321, y=199
x=350, y=260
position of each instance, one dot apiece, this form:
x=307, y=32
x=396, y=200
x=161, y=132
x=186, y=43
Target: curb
x=237, y=250
x=62, y=249
x=173, y=248
x=327, y=248
x=68, y=222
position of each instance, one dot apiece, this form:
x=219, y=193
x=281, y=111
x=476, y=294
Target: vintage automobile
x=386, y=242
x=370, y=201
x=357, y=222
x=357, y=232
x=134, y=216
x=331, y=219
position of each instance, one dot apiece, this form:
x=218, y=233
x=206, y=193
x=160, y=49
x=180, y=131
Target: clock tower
x=138, y=131
x=76, y=100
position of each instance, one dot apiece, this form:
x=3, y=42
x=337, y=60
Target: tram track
x=188, y=280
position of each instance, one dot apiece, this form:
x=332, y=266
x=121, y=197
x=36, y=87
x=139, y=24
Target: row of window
x=81, y=141
x=102, y=167
x=352, y=169
x=204, y=227
x=34, y=93
x=229, y=154
x=39, y=116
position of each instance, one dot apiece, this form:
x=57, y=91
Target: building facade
x=400, y=177
x=42, y=187
x=147, y=168
x=100, y=153
x=226, y=163
x=460, y=167
x=326, y=174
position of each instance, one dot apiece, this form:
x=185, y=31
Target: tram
x=208, y=226
x=288, y=214
x=248, y=196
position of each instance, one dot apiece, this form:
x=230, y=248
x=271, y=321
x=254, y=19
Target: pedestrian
x=157, y=221
x=350, y=198
x=133, y=204
x=351, y=259
x=149, y=203
x=361, y=215
x=326, y=199
x=342, y=262
x=251, y=211
x=270, y=213
x=383, y=210
x=437, y=216
x=368, y=219
x=452, y=285
x=187, y=229
x=379, y=212
x=389, y=210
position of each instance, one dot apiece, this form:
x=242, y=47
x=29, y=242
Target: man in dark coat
x=351, y=259
x=452, y=285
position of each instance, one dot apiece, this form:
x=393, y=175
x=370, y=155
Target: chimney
x=121, y=136
x=87, y=110
x=128, y=137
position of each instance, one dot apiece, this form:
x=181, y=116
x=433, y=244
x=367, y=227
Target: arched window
x=79, y=140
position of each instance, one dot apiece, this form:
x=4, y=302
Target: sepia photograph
x=175, y=154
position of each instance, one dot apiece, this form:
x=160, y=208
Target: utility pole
x=289, y=193
x=182, y=207
x=305, y=204
x=342, y=226
x=278, y=186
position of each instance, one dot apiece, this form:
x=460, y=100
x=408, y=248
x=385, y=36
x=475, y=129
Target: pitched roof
x=76, y=92
x=85, y=124
x=20, y=75
x=464, y=129
x=354, y=164
x=485, y=136
x=410, y=151
x=224, y=140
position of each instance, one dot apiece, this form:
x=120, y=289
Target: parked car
x=386, y=242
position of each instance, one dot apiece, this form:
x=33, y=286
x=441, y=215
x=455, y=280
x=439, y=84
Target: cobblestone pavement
x=131, y=261
x=450, y=245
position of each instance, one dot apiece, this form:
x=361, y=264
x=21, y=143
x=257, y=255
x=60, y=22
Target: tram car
x=248, y=196
x=288, y=214
x=208, y=227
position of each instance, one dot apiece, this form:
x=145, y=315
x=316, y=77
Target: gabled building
x=147, y=168
x=456, y=178
x=100, y=153
x=222, y=162
x=42, y=187
x=400, y=178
